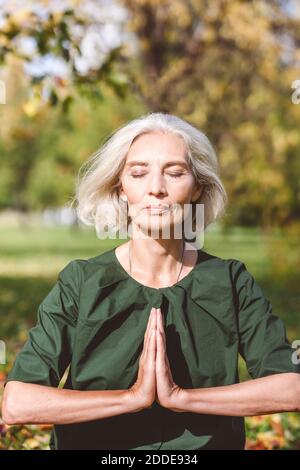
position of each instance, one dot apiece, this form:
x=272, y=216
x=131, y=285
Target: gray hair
x=98, y=182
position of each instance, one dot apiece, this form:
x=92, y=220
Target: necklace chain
x=130, y=263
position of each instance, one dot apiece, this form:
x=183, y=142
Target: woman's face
x=156, y=171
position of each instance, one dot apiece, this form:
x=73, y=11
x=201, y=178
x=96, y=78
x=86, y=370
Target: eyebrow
x=141, y=163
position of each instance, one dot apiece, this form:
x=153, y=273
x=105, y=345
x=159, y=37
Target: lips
x=157, y=209
x=156, y=206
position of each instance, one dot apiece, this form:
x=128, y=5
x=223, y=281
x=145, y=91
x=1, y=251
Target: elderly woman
x=152, y=329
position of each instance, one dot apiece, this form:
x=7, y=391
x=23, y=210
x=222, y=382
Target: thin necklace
x=183, y=251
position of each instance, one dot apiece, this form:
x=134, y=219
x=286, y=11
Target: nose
x=156, y=183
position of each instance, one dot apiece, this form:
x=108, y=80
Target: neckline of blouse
x=157, y=289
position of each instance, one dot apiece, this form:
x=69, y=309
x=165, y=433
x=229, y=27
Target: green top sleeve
x=47, y=352
x=262, y=336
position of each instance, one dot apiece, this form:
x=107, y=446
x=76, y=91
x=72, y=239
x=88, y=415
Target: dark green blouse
x=95, y=317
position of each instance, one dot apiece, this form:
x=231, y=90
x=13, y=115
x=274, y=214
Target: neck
x=158, y=258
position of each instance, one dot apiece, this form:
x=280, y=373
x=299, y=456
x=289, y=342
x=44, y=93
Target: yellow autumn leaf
x=31, y=107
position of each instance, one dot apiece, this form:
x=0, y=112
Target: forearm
x=266, y=395
x=26, y=403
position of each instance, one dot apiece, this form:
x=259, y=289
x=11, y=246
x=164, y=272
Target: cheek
x=133, y=189
x=135, y=195
x=181, y=192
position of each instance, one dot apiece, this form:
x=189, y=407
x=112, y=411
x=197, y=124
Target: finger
x=151, y=319
x=150, y=350
x=159, y=321
x=151, y=322
x=163, y=337
x=160, y=324
x=150, y=333
x=150, y=325
x=159, y=350
x=152, y=347
x=163, y=340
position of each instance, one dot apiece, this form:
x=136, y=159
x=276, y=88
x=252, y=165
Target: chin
x=157, y=224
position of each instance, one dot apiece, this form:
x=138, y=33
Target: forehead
x=157, y=144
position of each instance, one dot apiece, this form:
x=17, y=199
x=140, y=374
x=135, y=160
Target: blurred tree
x=68, y=47
x=41, y=153
x=228, y=68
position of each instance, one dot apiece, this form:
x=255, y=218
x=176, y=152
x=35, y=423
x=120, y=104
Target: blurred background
x=71, y=72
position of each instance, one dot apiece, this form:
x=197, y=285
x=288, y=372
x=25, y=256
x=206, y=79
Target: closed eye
x=174, y=175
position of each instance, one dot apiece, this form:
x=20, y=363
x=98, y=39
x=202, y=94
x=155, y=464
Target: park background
x=73, y=71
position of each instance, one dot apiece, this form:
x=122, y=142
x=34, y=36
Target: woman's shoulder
x=77, y=264
x=227, y=272
x=211, y=261
x=101, y=267
x=213, y=270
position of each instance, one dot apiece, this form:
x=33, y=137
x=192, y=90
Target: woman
x=152, y=329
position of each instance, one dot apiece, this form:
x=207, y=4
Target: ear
x=197, y=193
x=122, y=195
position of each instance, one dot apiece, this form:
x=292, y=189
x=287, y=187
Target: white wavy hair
x=97, y=189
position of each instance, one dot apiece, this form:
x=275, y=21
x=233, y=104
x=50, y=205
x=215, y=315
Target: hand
x=144, y=389
x=167, y=392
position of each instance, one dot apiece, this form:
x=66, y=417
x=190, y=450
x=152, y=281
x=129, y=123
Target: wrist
x=179, y=400
x=133, y=402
